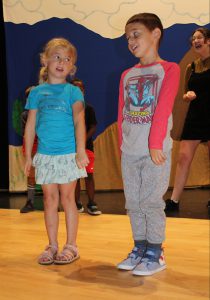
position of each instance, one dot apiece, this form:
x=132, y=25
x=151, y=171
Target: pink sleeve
x=120, y=110
x=164, y=106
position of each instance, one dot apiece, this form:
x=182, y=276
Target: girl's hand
x=81, y=159
x=157, y=156
x=189, y=96
x=27, y=167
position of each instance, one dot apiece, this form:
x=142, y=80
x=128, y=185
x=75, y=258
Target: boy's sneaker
x=80, y=207
x=28, y=207
x=93, y=209
x=133, y=259
x=171, y=205
x=152, y=262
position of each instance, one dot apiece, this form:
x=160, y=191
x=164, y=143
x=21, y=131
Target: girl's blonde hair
x=49, y=47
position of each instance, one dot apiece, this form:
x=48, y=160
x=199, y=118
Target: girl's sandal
x=67, y=255
x=48, y=256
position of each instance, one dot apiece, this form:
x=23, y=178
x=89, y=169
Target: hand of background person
x=189, y=96
x=81, y=159
x=157, y=156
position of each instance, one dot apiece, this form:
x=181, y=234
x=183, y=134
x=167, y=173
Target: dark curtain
x=4, y=149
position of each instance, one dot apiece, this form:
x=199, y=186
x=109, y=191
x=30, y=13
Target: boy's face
x=141, y=41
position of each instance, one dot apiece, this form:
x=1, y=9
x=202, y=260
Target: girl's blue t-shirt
x=54, y=118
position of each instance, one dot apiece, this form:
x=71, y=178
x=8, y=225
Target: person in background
x=56, y=115
x=146, y=96
x=31, y=184
x=197, y=123
x=90, y=122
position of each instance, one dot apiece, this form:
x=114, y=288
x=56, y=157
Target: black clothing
x=90, y=120
x=197, y=122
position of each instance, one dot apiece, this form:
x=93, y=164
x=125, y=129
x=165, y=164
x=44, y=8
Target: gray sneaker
x=150, y=264
x=132, y=260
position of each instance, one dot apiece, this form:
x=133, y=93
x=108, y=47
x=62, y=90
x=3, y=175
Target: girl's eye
x=197, y=38
x=56, y=57
x=67, y=59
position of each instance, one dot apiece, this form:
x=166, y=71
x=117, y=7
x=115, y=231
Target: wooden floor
x=103, y=241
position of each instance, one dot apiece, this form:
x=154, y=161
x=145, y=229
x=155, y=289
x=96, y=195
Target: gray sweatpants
x=144, y=186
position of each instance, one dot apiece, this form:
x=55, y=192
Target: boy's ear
x=157, y=33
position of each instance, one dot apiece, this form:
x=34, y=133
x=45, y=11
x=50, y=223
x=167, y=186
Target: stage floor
x=103, y=241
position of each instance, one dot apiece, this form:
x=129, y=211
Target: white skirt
x=58, y=169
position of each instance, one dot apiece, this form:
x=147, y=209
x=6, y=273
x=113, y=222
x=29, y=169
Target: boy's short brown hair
x=149, y=20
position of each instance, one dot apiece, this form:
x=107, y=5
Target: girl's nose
x=61, y=60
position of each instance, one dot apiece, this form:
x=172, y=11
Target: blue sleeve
x=76, y=95
x=32, y=100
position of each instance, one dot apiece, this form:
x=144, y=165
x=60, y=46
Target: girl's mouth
x=198, y=46
x=59, y=69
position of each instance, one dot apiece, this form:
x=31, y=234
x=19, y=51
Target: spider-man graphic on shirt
x=140, y=98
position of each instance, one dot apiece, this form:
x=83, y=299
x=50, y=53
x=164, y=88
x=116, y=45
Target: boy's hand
x=157, y=156
x=27, y=167
x=81, y=159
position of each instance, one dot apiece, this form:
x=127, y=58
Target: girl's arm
x=29, y=139
x=188, y=95
x=80, y=134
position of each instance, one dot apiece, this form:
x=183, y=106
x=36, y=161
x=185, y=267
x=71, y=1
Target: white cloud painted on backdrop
x=106, y=17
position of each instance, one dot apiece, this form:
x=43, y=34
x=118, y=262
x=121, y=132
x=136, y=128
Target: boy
x=146, y=97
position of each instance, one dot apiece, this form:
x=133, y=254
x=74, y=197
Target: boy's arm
x=80, y=133
x=29, y=139
x=164, y=107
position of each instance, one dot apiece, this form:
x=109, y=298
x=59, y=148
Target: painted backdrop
x=96, y=28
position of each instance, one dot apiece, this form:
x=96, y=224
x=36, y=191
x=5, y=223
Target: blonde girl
x=56, y=115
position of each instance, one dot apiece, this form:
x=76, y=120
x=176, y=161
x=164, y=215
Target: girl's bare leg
x=67, y=195
x=186, y=154
x=51, y=202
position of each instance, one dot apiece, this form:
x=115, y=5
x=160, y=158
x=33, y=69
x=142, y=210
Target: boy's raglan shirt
x=146, y=98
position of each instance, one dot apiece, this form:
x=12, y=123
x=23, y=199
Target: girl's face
x=199, y=43
x=142, y=42
x=59, y=64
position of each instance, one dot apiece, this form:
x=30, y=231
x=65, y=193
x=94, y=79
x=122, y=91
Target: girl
x=197, y=122
x=56, y=115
